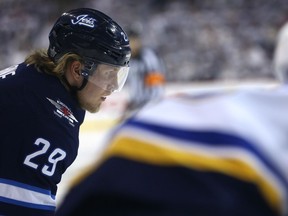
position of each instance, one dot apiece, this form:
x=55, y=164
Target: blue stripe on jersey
x=210, y=138
x=28, y=187
x=25, y=204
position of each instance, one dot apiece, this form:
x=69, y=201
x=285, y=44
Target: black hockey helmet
x=90, y=34
x=97, y=39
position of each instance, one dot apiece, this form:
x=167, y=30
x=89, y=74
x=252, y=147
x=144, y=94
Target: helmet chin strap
x=84, y=83
x=75, y=88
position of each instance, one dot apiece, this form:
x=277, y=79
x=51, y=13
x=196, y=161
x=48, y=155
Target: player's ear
x=73, y=74
x=75, y=70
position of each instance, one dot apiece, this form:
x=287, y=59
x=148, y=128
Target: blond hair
x=43, y=63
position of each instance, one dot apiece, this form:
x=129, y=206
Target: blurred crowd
x=198, y=40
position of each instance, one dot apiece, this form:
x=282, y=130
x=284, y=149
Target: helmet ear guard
x=89, y=67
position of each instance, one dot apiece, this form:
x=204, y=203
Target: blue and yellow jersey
x=224, y=154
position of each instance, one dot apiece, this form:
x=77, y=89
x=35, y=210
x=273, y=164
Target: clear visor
x=109, y=78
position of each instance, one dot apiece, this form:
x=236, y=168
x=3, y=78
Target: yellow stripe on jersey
x=147, y=152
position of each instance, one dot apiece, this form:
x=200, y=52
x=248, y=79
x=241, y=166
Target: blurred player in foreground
x=43, y=102
x=223, y=154
x=146, y=81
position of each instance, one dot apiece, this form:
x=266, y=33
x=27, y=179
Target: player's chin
x=92, y=108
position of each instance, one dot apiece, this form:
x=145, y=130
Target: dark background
x=199, y=40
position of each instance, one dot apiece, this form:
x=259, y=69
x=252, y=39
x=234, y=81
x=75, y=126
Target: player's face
x=91, y=97
x=100, y=85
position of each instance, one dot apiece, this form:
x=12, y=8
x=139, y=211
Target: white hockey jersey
x=216, y=154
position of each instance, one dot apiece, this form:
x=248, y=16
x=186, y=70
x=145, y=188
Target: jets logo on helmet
x=84, y=20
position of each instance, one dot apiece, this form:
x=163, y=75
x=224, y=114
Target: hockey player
x=43, y=102
x=219, y=154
